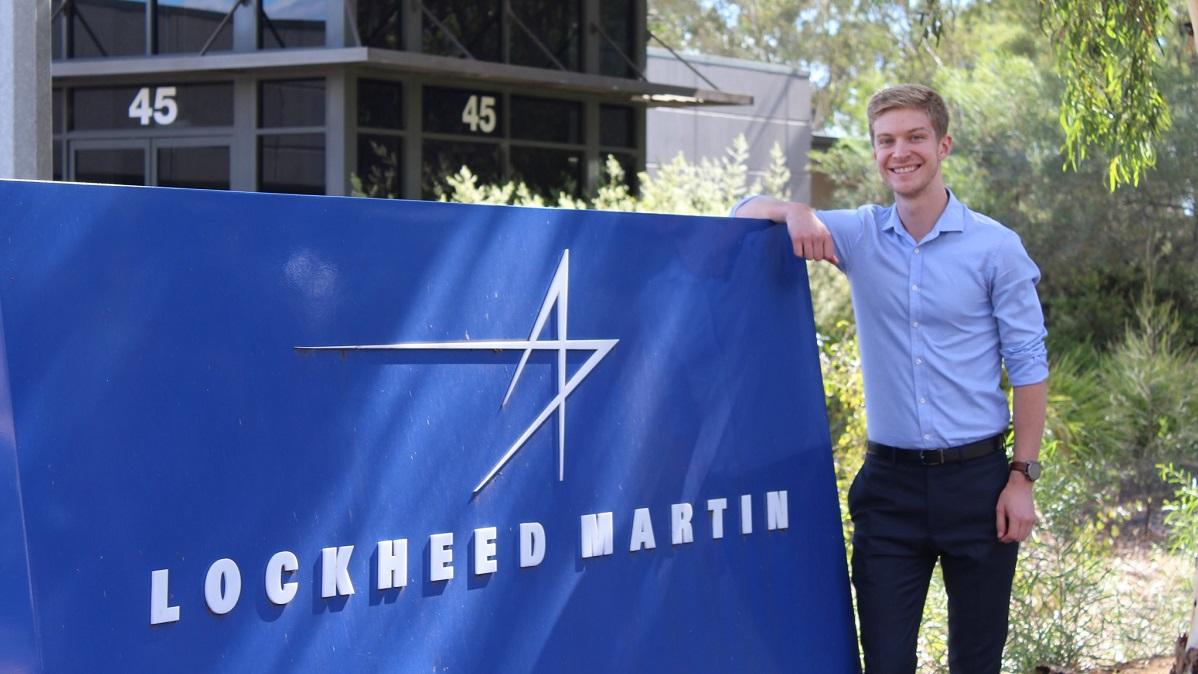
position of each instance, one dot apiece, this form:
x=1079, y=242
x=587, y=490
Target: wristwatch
x=1030, y=469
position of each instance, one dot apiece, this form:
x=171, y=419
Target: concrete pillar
x=25, y=115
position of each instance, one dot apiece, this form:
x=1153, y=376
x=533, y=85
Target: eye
x=919, y=138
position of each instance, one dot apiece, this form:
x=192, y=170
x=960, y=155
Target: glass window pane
x=441, y=158
x=617, y=18
x=199, y=167
x=185, y=26
x=291, y=103
x=291, y=162
x=123, y=166
x=379, y=161
x=546, y=119
x=57, y=159
x=58, y=47
x=476, y=113
x=475, y=25
x=286, y=24
x=109, y=28
x=555, y=25
x=56, y=107
x=380, y=104
x=548, y=172
x=617, y=126
x=380, y=23
x=154, y=106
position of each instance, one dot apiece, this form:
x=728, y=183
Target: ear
x=946, y=146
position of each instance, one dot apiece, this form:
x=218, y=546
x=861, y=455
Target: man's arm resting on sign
x=808, y=235
x=1016, y=509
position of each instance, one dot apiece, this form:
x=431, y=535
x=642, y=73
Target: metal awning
x=615, y=89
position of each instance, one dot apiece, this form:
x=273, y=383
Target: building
x=779, y=114
x=298, y=95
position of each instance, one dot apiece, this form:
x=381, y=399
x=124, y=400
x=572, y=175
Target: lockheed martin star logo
x=559, y=294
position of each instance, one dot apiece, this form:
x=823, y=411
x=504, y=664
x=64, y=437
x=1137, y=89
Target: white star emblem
x=558, y=294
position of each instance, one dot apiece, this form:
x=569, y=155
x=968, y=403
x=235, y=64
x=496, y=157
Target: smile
x=903, y=169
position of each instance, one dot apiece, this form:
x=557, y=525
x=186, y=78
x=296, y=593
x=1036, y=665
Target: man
x=944, y=297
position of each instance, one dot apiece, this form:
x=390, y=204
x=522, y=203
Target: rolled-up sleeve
x=1018, y=313
x=743, y=200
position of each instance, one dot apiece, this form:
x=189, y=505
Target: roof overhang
x=616, y=89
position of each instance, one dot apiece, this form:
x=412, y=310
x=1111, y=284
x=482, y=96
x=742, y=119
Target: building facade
x=304, y=95
x=779, y=114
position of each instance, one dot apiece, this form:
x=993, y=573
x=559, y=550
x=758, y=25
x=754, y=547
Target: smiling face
x=908, y=153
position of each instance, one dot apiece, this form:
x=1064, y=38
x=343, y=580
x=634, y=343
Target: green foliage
x=1181, y=511
x=706, y=187
x=1106, y=53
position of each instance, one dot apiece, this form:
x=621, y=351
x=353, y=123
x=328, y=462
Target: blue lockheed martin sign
x=250, y=432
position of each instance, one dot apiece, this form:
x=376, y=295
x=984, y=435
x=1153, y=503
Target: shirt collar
x=951, y=220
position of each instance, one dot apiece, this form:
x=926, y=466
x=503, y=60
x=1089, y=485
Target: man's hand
x=1016, y=509
x=809, y=237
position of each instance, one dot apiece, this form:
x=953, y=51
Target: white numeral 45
x=479, y=113
x=164, y=111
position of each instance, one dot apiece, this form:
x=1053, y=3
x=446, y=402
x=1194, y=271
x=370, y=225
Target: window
x=617, y=19
x=291, y=162
x=555, y=25
x=197, y=167
x=286, y=24
x=380, y=165
x=289, y=103
x=445, y=158
x=187, y=26
x=107, y=27
x=124, y=166
x=617, y=126
x=548, y=172
x=380, y=104
x=546, y=119
x=380, y=23
x=291, y=136
x=380, y=141
x=449, y=26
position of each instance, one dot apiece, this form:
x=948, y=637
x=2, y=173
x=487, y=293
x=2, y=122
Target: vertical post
x=25, y=115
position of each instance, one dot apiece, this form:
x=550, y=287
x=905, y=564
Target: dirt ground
x=1157, y=665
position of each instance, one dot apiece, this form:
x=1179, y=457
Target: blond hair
x=909, y=96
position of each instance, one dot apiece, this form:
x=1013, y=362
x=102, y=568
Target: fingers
x=1000, y=514
x=809, y=237
x=1012, y=527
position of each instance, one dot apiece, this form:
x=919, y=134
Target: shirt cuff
x=1027, y=370
x=744, y=200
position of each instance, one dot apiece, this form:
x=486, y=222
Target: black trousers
x=905, y=518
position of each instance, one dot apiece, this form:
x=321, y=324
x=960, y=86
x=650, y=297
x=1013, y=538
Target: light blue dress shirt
x=937, y=320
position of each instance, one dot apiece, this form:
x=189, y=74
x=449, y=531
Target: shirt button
x=927, y=436
x=917, y=251
x=915, y=324
x=915, y=287
x=923, y=401
x=919, y=361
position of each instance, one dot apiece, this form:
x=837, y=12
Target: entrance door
x=201, y=163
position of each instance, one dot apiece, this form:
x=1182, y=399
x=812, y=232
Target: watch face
x=1033, y=470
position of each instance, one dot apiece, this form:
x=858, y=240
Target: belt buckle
x=937, y=456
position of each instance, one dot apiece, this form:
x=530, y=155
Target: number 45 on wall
x=479, y=113
x=164, y=111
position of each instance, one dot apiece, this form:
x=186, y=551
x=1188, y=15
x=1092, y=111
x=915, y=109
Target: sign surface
x=556, y=440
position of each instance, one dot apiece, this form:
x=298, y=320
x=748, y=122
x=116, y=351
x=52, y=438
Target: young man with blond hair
x=944, y=299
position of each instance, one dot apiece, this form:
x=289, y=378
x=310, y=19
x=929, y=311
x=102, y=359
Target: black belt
x=937, y=457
